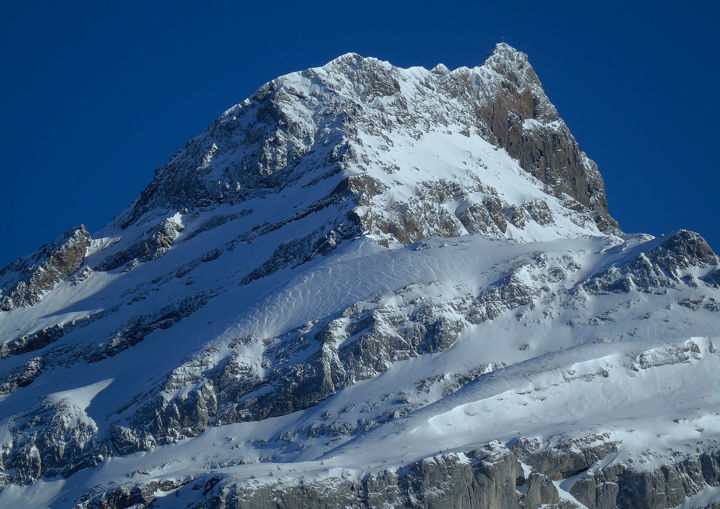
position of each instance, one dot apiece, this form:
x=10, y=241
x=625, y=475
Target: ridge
x=366, y=286
x=260, y=146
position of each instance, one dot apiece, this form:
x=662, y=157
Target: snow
x=40, y=494
x=554, y=389
x=82, y=396
x=636, y=367
x=704, y=498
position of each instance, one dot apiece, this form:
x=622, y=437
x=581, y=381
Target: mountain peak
x=350, y=57
x=323, y=121
x=321, y=298
x=504, y=50
x=514, y=64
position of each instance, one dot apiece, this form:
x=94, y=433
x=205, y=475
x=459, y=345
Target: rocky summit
x=366, y=286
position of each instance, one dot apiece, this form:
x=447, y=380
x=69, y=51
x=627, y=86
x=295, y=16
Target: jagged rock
x=26, y=281
x=141, y=326
x=527, y=125
x=565, y=460
x=57, y=438
x=43, y=337
x=620, y=486
x=126, y=441
x=141, y=495
x=337, y=181
x=662, y=267
x=482, y=478
x=359, y=343
x=22, y=376
x=540, y=491
x=299, y=251
x=263, y=143
x=155, y=243
x=214, y=222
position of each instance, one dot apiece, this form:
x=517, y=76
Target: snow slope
x=352, y=281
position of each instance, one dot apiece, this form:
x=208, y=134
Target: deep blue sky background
x=95, y=95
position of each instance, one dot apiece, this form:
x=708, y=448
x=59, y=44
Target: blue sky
x=96, y=95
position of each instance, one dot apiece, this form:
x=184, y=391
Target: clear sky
x=95, y=95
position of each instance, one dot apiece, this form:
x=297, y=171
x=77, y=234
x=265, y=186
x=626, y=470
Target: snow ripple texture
x=366, y=286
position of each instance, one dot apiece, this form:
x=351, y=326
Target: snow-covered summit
x=365, y=121
x=366, y=286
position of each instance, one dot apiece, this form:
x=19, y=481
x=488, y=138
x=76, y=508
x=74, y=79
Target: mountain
x=366, y=286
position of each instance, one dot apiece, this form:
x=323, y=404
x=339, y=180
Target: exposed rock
x=56, y=438
x=26, y=281
x=566, y=459
x=152, y=245
x=665, y=266
x=121, y=497
x=540, y=490
x=525, y=123
x=289, y=127
x=299, y=251
x=46, y=336
x=620, y=486
x=141, y=326
x=214, y=222
x=610, y=484
x=312, y=362
x=482, y=478
x=22, y=375
x=366, y=156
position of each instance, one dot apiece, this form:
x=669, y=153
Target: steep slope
x=366, y=286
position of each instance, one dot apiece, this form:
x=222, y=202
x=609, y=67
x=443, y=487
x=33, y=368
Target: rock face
x=26, y=281
x=525, y=123
x=325, y=116
x=667, y=265
x=366, y=286
x=488, y=477
x=156, y=242
x=483, y=478
x=667, y=486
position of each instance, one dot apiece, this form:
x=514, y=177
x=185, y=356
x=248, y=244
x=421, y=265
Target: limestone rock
x=26, y=281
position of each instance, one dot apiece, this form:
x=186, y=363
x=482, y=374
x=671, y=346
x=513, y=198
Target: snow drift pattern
x=366, y=286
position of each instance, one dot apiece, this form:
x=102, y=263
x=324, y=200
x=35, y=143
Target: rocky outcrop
x=26, y=281
x=22, y=375
x=491, y=476
x=524, y=122
x=310, y=363
x=665, y=266
x=568, y=458
x=46, y=336
x=486, y=477
x=155, y=243
x=56, y=438
x=140, y=326
x=121, y=497
x=603, y=484
x=298, y=251
x=434, y=212
x=394, y=341
x=619, y=485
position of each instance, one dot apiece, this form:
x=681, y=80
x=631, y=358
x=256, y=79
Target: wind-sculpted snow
x=366, y=286
x=421, y=328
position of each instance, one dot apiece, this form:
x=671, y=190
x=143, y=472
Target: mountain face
x=366, y=286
